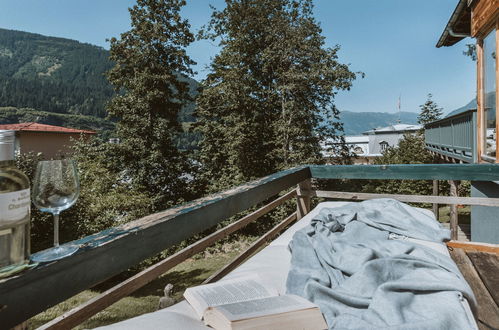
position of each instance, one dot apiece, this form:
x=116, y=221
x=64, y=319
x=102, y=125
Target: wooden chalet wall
x=484, y=18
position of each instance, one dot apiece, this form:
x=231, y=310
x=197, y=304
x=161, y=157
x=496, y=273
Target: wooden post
x=22, y=326
x=479, y=100
x=303, y=198
x=435, y=193
x=453, y=210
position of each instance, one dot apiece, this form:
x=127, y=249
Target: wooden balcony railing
x=113, y=251
x=454, y=137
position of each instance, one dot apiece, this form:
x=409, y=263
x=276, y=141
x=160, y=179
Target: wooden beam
x=435, y=193
x=474, y=172
x=497, y=81
x=479, y=100
x=487, y=311
x=474, y=246
x=86, y=310
x=112, y=251
x=484, y=16
x=252, y=249
x=303, y=201
x=487, y=265
x=453, y=210
x=482, y=201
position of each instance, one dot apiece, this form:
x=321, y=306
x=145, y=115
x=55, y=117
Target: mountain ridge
x=355, y=123
x=65, y=76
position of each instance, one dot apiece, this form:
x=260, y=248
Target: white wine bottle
x=14, y=206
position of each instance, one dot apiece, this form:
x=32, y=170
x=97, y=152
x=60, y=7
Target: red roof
x=36, y=127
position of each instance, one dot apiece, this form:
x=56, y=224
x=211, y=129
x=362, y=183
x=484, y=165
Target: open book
x=248, y=303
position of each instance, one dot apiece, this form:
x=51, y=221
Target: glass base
x=55, y=253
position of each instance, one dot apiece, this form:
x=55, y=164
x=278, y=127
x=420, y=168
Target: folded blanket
x=345, y=262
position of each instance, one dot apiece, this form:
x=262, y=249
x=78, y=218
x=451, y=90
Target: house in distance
x=51, y=141
x=373, y=143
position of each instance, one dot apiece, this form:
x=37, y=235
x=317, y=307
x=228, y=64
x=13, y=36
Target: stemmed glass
x=55, y=189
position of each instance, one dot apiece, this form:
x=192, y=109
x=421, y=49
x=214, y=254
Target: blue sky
x=391, y=41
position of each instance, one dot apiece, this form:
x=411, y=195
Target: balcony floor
x=463, y=233
x=481, y=271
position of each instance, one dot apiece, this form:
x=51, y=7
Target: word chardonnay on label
x=14, y=206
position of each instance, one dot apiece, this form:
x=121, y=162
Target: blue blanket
x=347, y=262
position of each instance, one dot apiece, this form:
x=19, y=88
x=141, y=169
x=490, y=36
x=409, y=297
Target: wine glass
x=55, y=189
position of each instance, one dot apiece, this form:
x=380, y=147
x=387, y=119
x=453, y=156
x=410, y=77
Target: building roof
x=357, y=139
x=395, y=128
x=459, y=25
x=36, y=127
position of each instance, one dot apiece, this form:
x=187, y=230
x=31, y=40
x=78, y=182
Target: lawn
x=463, y=214
x=191, y=272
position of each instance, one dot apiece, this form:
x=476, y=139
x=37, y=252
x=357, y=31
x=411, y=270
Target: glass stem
x=56, y=229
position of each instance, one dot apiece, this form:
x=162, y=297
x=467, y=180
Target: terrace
x=113, y=251
x=454, y=138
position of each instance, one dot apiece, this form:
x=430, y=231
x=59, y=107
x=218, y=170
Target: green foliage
x=104, y=200
x=41, y=223
x=267, y=102
x=60, y=75
x=150, y=61
x=470, y=52
x=429, y=111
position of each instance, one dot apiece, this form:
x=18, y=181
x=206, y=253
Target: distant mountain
x=53, y=74
x=490, y=98
x=57, y=75
x=355, y=123
x=40, y=75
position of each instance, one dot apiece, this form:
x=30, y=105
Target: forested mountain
x=52, y=74
x=57, y=75
x=40, y=75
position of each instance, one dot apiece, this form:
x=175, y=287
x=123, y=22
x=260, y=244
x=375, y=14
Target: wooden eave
x=459, y=23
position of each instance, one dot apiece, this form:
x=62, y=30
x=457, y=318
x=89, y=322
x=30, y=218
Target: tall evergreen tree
x=150, y=60
x=429, y=111
x=267, y=103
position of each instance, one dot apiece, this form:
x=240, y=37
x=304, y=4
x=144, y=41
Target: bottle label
x=14, y=206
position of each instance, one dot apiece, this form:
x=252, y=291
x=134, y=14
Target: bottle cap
x=7, y=139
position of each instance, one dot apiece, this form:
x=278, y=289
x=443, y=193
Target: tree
x=150, y=62
x=470, y=52
x=429, y=111
x=267, y=103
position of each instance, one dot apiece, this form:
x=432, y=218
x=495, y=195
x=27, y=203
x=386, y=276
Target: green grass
x=191, y=272
x=463, y=214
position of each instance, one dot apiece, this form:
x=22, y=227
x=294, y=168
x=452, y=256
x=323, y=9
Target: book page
x=264, y=306
x=226, y=292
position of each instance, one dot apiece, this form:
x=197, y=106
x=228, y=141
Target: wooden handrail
x=129, y=244
x=480, y=201
x=252, y=249
x=86, y=310
x=113, y=251
x=472, y=172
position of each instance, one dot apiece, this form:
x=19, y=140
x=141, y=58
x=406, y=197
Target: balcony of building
x=453, y=138
x=115, y=250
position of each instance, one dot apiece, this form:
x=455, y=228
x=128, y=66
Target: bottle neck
x=6, y=152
